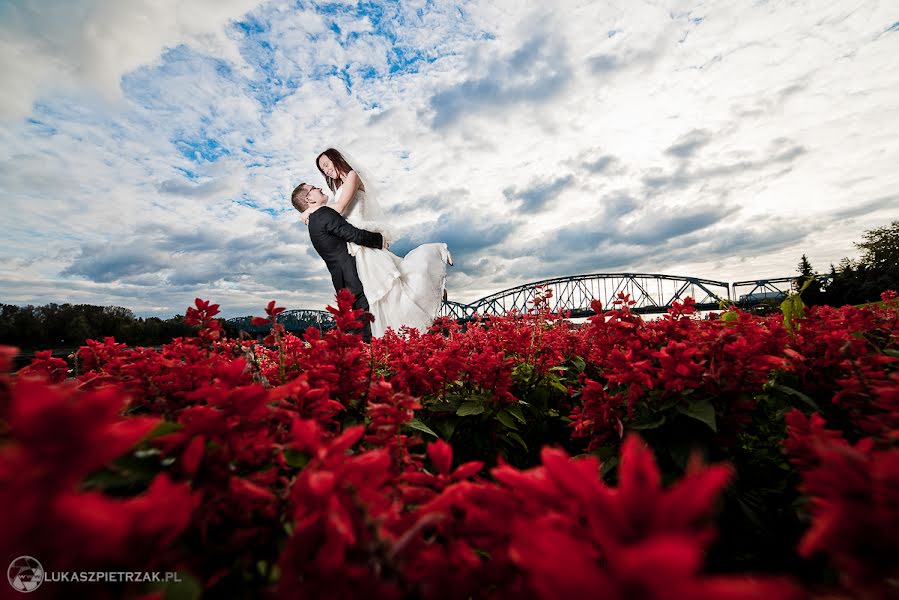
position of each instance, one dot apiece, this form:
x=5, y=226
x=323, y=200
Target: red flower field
x=517, y=457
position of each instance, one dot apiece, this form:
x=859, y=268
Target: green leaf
x=796, y=394
x=554, y=382
x=729, y=317
x=539, y=397
x=793, y=309
x=658, y=421
x=515, y=411
x=295, y=458
x=443, y=406
x=669, y=403
x=144, y=453
x=607, y=465
x=522, y=372
x=891, y=352
x=416, y=424
x=189, y=588
x=579, y=363
x=679, y=450
x=506, y=419
x=106, y=481
x=470, y=408
x=164, y=428
x=446, y=427
x=518, y=439
x=128, y=472
x=701, y=410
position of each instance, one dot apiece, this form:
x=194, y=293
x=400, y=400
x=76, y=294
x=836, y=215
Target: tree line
x=68, y=326
x=860, y=280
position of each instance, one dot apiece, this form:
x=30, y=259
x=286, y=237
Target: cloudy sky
x=150, y=146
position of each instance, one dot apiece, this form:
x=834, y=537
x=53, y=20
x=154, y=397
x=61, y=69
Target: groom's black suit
x=329, y=233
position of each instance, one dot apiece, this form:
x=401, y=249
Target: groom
x=329, y=233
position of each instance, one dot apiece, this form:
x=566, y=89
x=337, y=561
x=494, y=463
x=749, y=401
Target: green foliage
x=862, y=280
x=480, y=428
x=419, y=426
x=187, y=588
x=793, y=308
x=70, y=325
x=701, y=410
x=880, y=247
x=805, y=267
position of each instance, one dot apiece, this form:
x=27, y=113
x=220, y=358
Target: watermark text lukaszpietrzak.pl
x=26, y=574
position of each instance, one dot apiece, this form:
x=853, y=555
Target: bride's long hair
x=340, y=163
x=372, y=214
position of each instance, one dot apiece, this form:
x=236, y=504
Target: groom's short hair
x=298, y=197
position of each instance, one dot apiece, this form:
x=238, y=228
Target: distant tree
x=813, y=293
x=8, y=331
x=67, y=326
x=229, y=328
x=28, y=328
x=863, y=280
x=152, y=329
x=805, y=267
x=78, y=331
x=880, y=248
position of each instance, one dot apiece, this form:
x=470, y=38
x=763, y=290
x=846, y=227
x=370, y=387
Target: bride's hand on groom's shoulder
x=305, y=217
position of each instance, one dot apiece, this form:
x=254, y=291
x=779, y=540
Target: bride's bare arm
x=347, y=191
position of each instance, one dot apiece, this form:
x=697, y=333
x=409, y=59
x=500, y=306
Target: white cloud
x=87, y=45
x=741, y=136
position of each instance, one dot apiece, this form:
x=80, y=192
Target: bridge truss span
x=293, y=320
x=653, y=293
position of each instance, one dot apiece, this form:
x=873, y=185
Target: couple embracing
x=352, y=237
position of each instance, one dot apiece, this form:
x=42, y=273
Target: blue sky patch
x=42, y=128
x=271, y=86
x=200, y=149
x=188, y=173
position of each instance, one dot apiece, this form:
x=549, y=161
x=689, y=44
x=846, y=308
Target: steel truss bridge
x=653, y=293
x=293, y=320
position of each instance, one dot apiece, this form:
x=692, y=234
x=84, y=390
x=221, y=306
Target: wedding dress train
x=400, y=291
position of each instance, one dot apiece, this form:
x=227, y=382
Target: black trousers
x=362, y=302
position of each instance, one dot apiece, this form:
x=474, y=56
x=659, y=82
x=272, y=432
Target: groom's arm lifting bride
x=329, y=233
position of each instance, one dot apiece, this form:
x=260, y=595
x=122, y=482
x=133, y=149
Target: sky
x=150, y=147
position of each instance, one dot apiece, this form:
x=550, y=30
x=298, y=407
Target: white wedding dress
x=400, y=291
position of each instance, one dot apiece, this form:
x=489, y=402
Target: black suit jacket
x=329, y=233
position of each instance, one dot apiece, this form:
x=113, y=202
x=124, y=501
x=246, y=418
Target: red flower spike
x=441, y=455
x=72, y=436
x=193, y=454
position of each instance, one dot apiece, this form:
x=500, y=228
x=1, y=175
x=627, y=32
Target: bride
x=400, y=291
